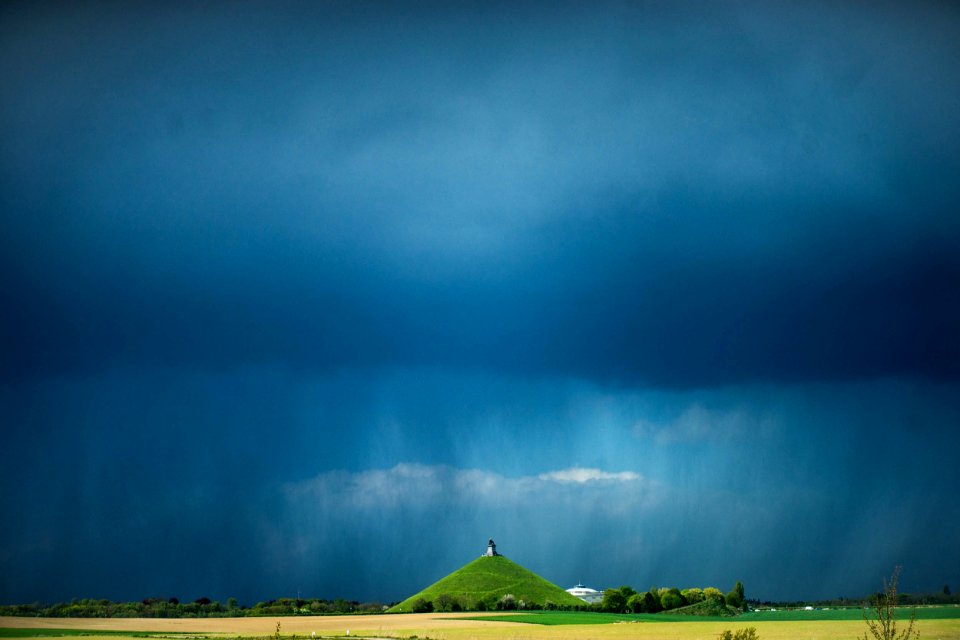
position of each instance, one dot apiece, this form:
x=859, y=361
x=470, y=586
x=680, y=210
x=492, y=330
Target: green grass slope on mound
x=710, y=607
x=487, y=579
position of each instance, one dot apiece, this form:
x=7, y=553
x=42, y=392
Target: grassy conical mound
x=487, y=579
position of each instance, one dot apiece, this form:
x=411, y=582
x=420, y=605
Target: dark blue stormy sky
x=318, y=297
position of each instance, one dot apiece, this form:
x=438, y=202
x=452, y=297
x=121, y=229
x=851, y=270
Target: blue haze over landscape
x=317, y=297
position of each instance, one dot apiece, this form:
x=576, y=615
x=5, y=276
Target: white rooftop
x=585, y=593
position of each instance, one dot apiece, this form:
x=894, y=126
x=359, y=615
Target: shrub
x=750, y=633
x=884, y=607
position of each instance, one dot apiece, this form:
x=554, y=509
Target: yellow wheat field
x=453, y=626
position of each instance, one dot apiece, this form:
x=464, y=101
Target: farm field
x=570, y=617
x=452, y=626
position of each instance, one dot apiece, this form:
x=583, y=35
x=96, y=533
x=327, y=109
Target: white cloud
x=415, y=485
x=581, y=475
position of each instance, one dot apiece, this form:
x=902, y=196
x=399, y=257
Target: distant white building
x=586, y=594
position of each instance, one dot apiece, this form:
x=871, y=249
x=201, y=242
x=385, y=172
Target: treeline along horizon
x=199, y=608
x=207, y=608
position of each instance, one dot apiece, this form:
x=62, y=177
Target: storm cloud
x=678, y=281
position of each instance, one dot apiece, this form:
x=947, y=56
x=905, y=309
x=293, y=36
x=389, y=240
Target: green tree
x=671, y=599
x=713, y=592
x=422, y=605
x=613, y=601
x=443, y=602
x=650, y=602
x=693, y=595
x=884, y=608
x=736, y=598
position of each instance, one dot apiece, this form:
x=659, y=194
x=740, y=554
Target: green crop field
x=923, y=613
x=554, y=618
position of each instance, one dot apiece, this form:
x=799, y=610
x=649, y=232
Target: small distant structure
x=586, y=594
x=491, y=549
